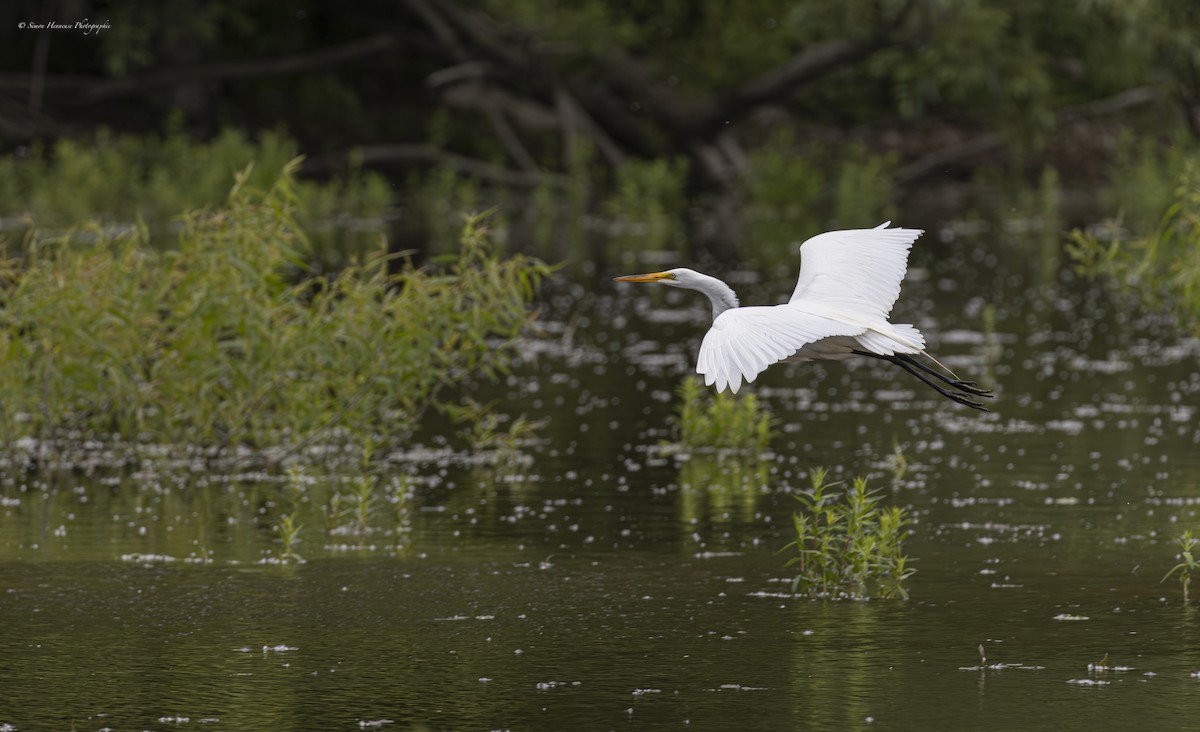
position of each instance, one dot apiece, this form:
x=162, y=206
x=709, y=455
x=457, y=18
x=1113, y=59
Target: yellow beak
x=651, y=277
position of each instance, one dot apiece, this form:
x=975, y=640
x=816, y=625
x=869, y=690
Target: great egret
x=849, y=281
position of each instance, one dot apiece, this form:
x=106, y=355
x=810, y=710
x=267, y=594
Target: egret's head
x=679, y=277
x=719, y=293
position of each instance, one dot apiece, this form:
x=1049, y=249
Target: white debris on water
x=163, y=558
x=174, y=720
x=1003, y=667
x=1101, y=668
x=1069, y=616
x=374, y=723
x=640, y=692
x=1088, y=682
x=761, y=593
x=281, y=648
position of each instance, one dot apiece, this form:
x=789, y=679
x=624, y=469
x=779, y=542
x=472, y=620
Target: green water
x=599, y=584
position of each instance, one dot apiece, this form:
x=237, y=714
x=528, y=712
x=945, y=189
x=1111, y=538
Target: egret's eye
x=674, y=276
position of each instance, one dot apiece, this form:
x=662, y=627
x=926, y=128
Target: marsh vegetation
x=223, y=337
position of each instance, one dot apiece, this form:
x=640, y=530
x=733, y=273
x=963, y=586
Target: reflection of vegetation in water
x=1187, y=544
x=839, y=682
x=846, y=540
x=209, y=343
x=720, y=491
x=1163, y=266
x=198, y=515
x=721, y=420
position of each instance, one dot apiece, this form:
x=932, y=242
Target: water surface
x=598, y=583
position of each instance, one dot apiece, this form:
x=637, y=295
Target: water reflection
x=594, y=582
x=719, y=494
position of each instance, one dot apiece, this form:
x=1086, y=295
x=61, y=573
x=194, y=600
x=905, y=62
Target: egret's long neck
x=720, y=294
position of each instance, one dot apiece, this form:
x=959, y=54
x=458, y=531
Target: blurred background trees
x=760, y=117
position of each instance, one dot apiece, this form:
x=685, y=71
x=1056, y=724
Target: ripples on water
x=597, y=581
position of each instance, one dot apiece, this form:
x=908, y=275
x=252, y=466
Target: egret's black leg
x=968, y=386
x=908, y=365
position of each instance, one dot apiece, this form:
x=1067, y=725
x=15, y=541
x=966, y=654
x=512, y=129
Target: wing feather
x=742, y=343
x=857, y=271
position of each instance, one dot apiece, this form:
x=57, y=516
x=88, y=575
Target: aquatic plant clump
x=1162, y=267
x=720, y=421
x=846, y=542
x=1187, y=564
x=223, y=340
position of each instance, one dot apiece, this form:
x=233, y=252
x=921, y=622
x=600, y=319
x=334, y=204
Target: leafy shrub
x=220, y=340
x=721, y=420
x=845, y=541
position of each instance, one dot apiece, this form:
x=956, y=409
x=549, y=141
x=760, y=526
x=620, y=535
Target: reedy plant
x=1188, y=564
x=288, y=530
x=214, y=341
x=485, y=430
x=845, y=542
x=722, y=420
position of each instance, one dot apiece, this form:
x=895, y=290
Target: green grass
x=847, y=543
x=221, y=337
x=724, y=421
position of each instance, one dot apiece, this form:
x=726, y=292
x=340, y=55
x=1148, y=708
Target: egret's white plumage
x=849, y=281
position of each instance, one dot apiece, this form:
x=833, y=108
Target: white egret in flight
x=849, y=281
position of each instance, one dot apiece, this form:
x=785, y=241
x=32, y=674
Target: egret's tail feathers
x=909, y=336
x=896, y=339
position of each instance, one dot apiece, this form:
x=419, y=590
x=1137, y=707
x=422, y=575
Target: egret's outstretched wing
x=744, y=342
x=856, y=272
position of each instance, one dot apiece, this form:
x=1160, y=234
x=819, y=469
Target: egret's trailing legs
x=915, y=367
